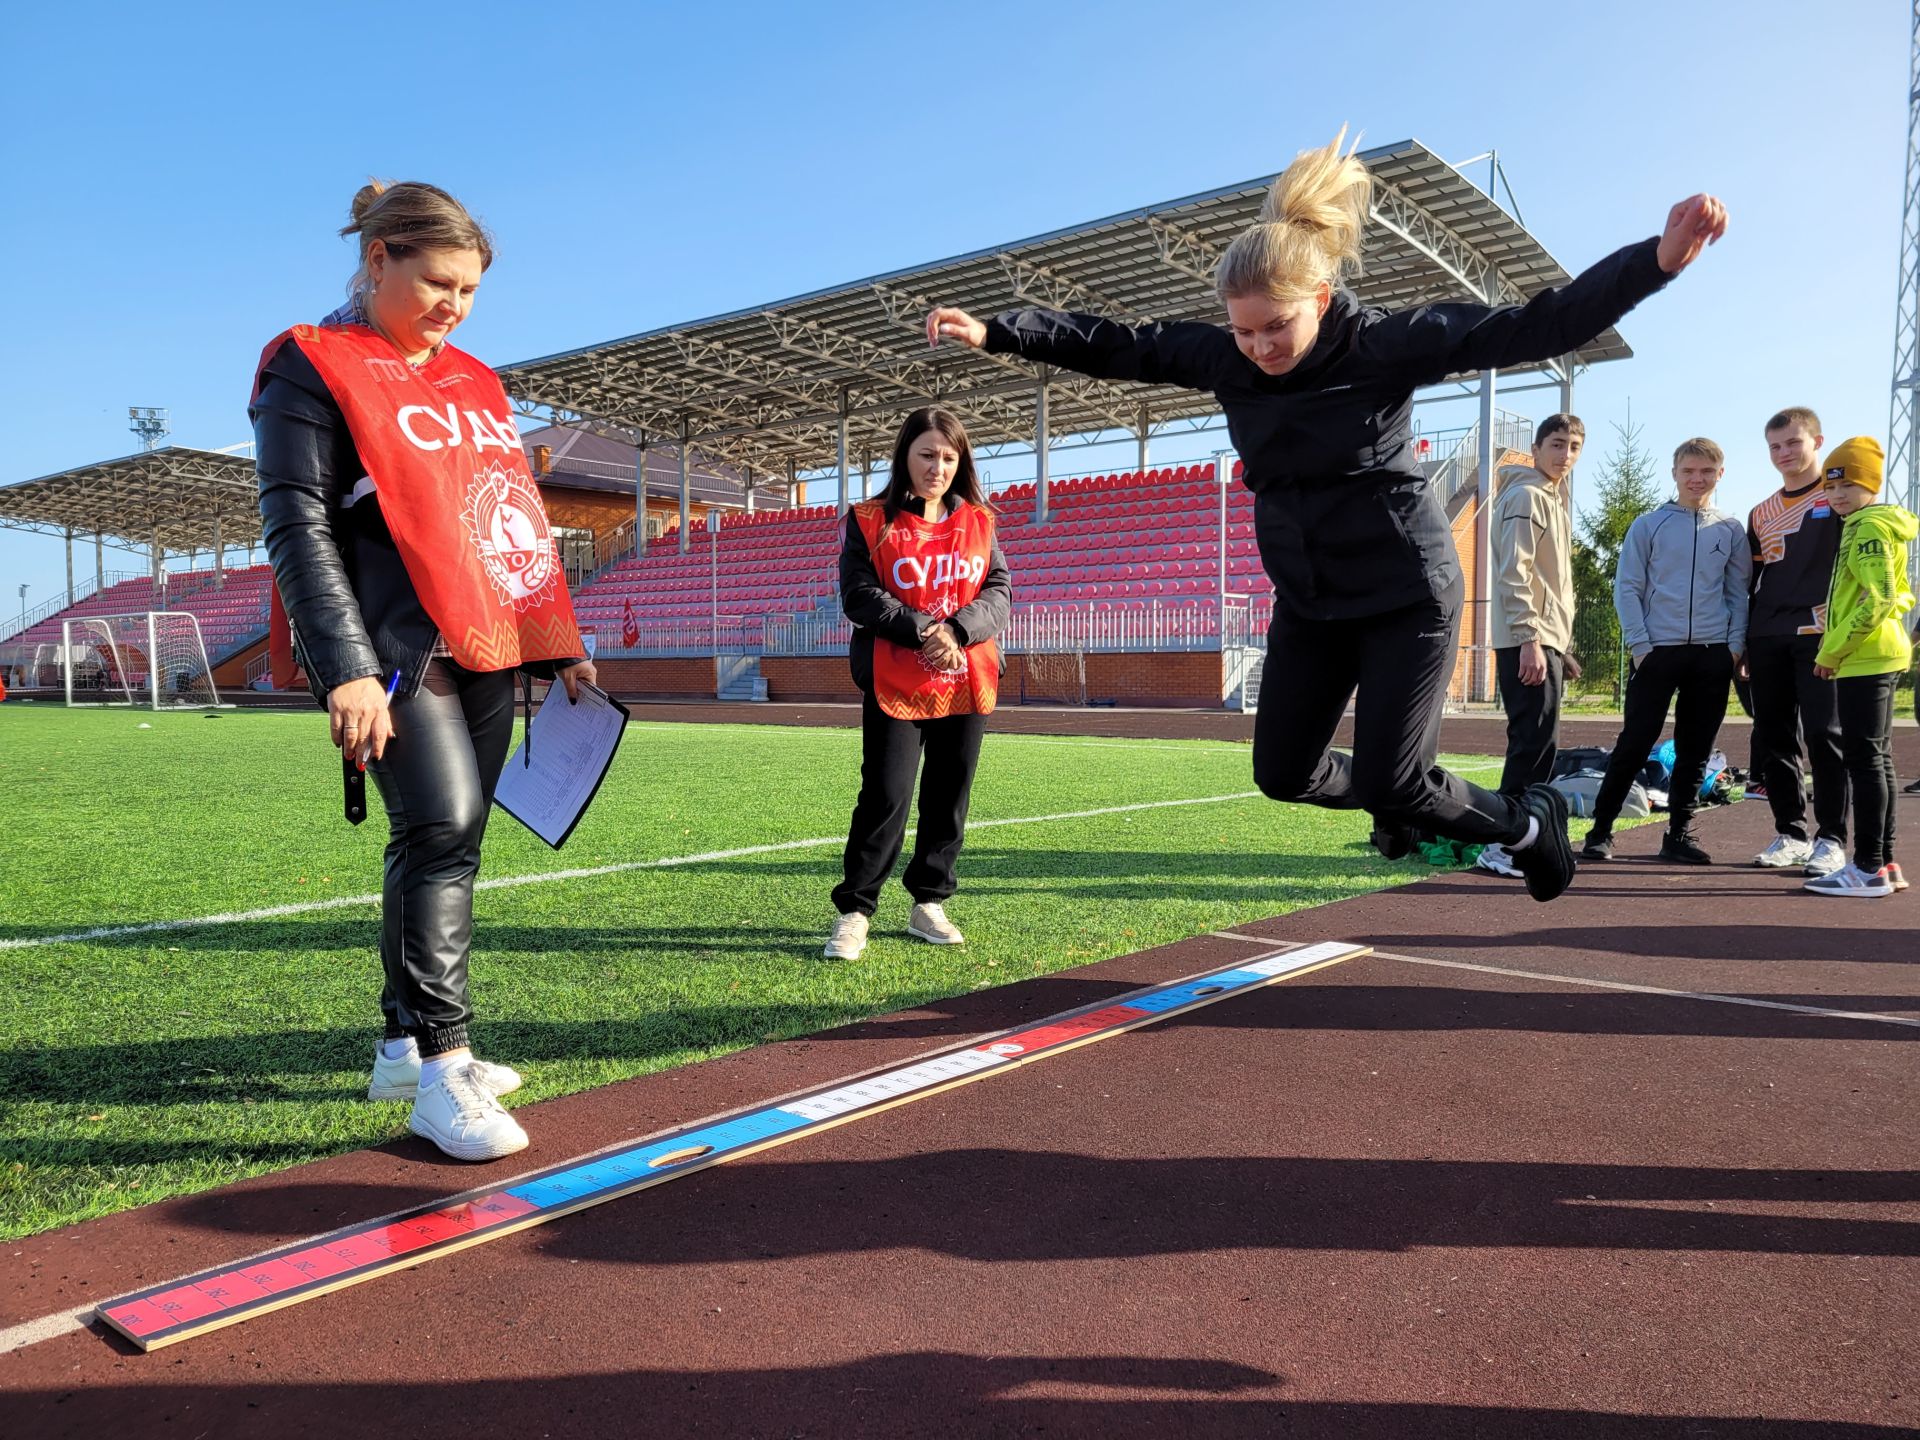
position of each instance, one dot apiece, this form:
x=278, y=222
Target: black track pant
x=1866, y=725
x=450, y=739
x=1700, y=675
x=1399, y=664
x=1533, y=718
x=1789, y=703
x=890, y=751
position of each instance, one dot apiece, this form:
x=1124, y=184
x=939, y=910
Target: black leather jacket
x=352, y=607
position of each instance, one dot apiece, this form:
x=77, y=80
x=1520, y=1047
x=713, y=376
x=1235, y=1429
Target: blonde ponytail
x=1309, y=231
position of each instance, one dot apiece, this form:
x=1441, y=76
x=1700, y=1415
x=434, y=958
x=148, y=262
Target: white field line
x=47, y=1327
x=506, y=882
x=1585, y=980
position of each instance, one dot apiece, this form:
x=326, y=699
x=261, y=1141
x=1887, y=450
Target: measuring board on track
x=227, y=1294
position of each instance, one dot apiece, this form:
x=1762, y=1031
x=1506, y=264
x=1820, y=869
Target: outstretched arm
x=1434, y=341
x=1178, y=353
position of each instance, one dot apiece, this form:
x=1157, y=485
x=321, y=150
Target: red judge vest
x=937, y=568
x=453, y=486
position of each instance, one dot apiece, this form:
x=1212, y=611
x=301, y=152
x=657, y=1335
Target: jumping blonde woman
x=1317, y=390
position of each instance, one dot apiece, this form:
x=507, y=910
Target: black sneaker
x=1599, y=845
x=1683, y=849
x=1548, y=863
x=1913, y=789
x=1395, y=842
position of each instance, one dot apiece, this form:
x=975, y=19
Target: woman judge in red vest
x=412, y=554
x=926, y=587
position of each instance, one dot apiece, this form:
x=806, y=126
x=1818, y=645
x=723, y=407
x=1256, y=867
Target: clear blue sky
x=176, y=174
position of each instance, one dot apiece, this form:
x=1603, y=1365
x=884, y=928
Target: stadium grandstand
x=717, y=574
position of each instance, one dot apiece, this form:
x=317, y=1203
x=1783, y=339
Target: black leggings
x=889, y=755
x=1399, y=664
x=450, y=739
x=1866, y=730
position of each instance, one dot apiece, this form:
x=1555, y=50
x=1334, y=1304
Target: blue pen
x=393, y=686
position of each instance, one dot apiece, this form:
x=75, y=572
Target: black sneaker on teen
x=1913, y=789
x=1395, y=841
x=1599, y=845
x=1547, y=864
x=1683, y=849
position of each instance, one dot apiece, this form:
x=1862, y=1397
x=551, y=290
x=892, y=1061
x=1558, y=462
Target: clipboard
x=573, y=748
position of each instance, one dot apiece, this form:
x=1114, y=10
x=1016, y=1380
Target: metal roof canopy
x=769, y=386
x=176, y=493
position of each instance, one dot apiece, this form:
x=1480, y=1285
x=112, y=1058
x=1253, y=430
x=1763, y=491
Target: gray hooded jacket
x=1683, y=580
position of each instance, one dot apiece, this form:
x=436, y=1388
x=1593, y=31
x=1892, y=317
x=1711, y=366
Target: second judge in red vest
x=926, y=587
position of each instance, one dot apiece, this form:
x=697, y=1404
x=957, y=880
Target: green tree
x=1625, y=489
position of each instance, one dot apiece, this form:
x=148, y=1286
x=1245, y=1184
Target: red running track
x=1392, y=1198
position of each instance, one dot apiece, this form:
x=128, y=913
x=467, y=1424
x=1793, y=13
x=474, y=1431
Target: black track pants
x=1866, y=724
x=1792, y=707
x=890, y=752
x=1533, y=718
x=450, y=739
x=1395, y=667
x=1700, y=676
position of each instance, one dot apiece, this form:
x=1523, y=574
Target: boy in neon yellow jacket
x=1865, y=652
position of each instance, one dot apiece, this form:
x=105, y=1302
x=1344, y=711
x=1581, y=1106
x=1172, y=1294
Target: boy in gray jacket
x=1681, y=593
x=1532, y=596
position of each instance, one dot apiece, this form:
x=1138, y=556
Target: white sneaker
x=849, y=937
x=1850, y=882
x=1891, y=870
x=1784, y=853
x=400, y=1079
x=930, y=923
x=460, y=1115
x=1496, y=859
x=1827, y=857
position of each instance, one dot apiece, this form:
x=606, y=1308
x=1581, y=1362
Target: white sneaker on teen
x=1785, y=852
x=1828, y=856
x=930, y=923
x=1893, y=875
x=849, y=937
x=400, y=1079
x=1495, y=858
x=1850, y=882
x=459, y=1114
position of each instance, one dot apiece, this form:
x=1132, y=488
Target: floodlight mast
x=1903, y=427
x=151, y=423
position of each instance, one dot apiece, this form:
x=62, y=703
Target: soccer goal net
x=155, y=659
x=1053, y=677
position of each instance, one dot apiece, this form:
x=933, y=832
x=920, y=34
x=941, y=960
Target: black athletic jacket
x=876, y=610
x=1347, y=525
x=353, y=608
x=1795, y=537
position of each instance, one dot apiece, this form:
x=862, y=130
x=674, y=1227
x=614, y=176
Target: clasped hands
x=942, y=647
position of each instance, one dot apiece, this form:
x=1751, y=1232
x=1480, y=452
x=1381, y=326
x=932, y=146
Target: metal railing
x=1460, y=467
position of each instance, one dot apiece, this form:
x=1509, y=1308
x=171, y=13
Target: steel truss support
x=1903, y=425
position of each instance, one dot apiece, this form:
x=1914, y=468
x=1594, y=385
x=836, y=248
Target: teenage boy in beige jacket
x=1532, y=597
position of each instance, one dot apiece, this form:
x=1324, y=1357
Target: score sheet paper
x=573, y=746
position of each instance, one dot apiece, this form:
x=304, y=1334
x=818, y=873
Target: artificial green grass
x=135, y=1067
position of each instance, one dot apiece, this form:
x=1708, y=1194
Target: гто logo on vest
x=508, y=527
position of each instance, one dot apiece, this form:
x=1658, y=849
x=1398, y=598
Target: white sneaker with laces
x=460, y=1115
x=1784, y=853
x=1828, y=856
x=400, y=1079
x=1850, y=882
x=849, y=937
x=1496, y=859
x=929, y=922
